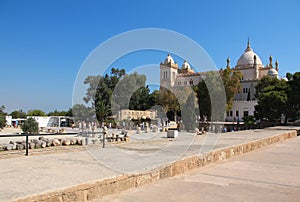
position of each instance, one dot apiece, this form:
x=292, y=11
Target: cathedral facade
x=249, y=64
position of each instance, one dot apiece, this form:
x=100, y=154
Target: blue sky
x=44, y=43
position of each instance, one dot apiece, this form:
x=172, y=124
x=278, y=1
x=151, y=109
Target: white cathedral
x=249, y=64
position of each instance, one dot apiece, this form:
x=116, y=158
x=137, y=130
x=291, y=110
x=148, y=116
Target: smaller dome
x=169, y=59
x=273, y=73
x=285, y=79
x=185, y=65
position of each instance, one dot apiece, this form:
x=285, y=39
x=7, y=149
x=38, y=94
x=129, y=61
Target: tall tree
x=263, y=83
x=2, y=108
x=2, y=121
x=203, y=99
x=141, y=99
x=111, y=93
x=2, y=117
x=189, y=112
x=18, y=114
x=99, y=92
x=272, y=98
x=294, y=95
x=82, y=113
x=231, y=80
x=212, y=97
x=168, y=100
x=128, y=89
x=36, y=112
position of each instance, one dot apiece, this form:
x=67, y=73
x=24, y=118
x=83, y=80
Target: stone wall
x=90, y=191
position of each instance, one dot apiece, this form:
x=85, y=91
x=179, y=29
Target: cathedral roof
x=185, y=65
x=248, y=57
x=169, y=59
x=272, y=73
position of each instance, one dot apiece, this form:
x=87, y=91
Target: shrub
x=30, y=126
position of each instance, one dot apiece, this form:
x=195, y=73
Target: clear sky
x=44, y=43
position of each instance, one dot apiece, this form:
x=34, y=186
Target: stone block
x=55, y=142
x=31, y=145
x=79, y=142
x=8, y=147
x=172, y=133
x=65, y=142
x=38, y=144
x=1, y=147
x=73, y=141
x=20, y=147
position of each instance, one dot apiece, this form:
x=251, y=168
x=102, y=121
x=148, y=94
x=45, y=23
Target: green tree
x=212, y=97
x=249, y=120
x=263, y=83
x=168, y=100
x=82, y=113
x=102, y=100
x=231, y=80
x=294, y=96
x=272, y=98
x=126, y=90
x=115, y=91
x=57, y=113
x=203, y=99
x=189, y=112
x=141, y=99
x=2, y=121
x=2, y=108
x=69, y=112
x=100, y=91
x=18, y=114
x=36, y=112
x=30, y=126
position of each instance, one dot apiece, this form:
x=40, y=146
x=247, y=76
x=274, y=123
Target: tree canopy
x=294, y=96
x=214, y=90
x=36, y=112
x=278, y=97
x=18, y=114
x=113, y=92
x=30, y=126
x=2, y=121
x=231, y=80
x=82, y=113
x=61, y=113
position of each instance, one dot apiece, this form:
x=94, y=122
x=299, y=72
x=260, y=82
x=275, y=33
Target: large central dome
x=248, y=57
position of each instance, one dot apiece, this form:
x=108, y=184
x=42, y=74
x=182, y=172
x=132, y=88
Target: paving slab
x=269, y=174
x=41, y=174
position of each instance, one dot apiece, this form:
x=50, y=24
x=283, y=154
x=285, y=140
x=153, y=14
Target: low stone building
x=127, y=114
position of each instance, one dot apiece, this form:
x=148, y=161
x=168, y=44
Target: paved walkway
x=269, y=174
x=36, y=174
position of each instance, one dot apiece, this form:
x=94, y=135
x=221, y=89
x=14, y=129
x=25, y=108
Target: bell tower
x=168, y=72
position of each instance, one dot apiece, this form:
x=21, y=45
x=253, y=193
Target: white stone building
x=127, y=114
x=249, y=64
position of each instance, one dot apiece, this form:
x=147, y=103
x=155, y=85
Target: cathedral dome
x=169, y=59
x=248, y=57
x=273, y=73
x=185, y=65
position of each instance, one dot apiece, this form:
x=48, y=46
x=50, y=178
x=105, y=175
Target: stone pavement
x=269, y=174
x=50, y=174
